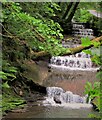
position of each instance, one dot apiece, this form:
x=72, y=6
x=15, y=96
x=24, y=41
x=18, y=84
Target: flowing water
x=57, y=104
x=81, y=31
x=79, y=61
x=65, y=86
x=52, y=112
x=56, y=96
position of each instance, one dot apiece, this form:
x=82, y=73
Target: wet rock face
x=57, y=99
x=36, y=71
x=70, y=80
x=23, y=86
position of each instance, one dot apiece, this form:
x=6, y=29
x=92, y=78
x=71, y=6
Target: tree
x=72, y=12
x=67, y=10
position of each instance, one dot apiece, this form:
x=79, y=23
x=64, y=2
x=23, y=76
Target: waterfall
x=79, y=61
x=56, y=96
x=81, y=31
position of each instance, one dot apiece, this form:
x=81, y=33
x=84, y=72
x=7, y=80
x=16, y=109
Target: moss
x=32, y=71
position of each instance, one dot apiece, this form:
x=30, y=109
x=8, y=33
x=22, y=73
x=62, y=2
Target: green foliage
x=8, y=73
x=40, y=9
x=83, y=15
x=5, y=85
x=85, y=41
x=40, y=34
x=93, y=90
x=9, y=101
x=94, y=116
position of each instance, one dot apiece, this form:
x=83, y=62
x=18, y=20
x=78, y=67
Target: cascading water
x=79, y=61
x=56, y=96
x=81, y=31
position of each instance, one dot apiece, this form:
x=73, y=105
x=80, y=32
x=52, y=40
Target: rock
x=57, y=99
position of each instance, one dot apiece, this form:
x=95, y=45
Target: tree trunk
x=67, y=10
x=72, y=12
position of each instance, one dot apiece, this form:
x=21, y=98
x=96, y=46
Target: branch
x=80, y=48
x=72, y=50
x=39, y=36
x=10, y=35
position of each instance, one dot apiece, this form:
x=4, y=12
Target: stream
x=71, y=106
x=65, y=88
x=65, y=92
x=52, y=112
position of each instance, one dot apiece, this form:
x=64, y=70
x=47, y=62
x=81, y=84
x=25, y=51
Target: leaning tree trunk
x=72, y=12
x=68, y=9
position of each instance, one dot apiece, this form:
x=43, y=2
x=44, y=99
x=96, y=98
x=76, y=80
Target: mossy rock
x=35, y=71
x=31, y=71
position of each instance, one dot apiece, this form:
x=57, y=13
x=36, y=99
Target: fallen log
x=70, y=50
x=80, y=48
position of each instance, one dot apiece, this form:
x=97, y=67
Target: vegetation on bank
x=32, y=28
x=10, y=100
x=94, y=90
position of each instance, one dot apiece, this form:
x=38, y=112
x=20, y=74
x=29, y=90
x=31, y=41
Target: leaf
x=5, y=85
x=85, y=41
x=3, y=75
x=96, y=44
x=88, y=87
x=95, y=51
x=97, y=85
x=87, y=51
x=13, y=69
x=10, y=75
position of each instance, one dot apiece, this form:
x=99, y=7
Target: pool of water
x=40, y=111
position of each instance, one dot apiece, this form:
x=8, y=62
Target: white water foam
x=79, y=61
x=56, y=96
